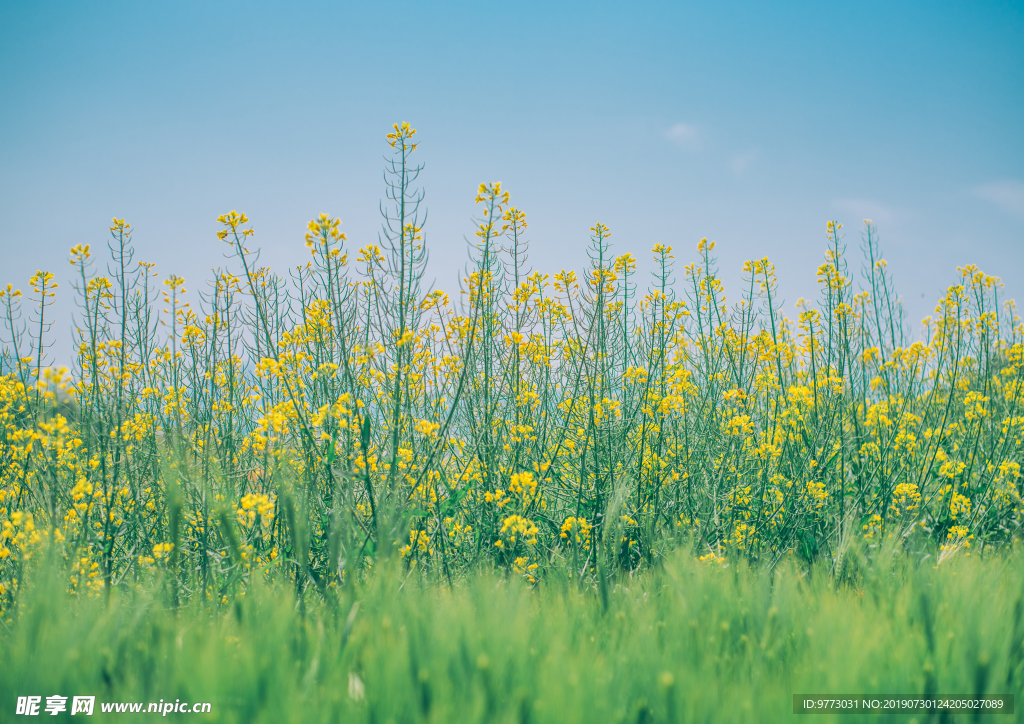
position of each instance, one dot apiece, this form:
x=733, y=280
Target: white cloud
x=860, y=209
x=685, y=136
x=1007, y=195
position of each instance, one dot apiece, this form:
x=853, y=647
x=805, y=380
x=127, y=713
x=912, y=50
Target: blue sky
x=751, y=124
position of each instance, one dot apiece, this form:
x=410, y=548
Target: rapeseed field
x=341, y=494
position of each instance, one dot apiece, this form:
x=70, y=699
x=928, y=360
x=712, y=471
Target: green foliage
x=689, y=642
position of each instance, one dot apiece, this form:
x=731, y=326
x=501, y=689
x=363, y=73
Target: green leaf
x=364, y=434
x=330, y=450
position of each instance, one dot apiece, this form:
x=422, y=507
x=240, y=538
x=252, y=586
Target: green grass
x=690, y=642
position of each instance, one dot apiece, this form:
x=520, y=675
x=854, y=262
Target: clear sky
x=749, y=123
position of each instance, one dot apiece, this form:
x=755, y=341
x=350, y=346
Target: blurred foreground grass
x=690, y=641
